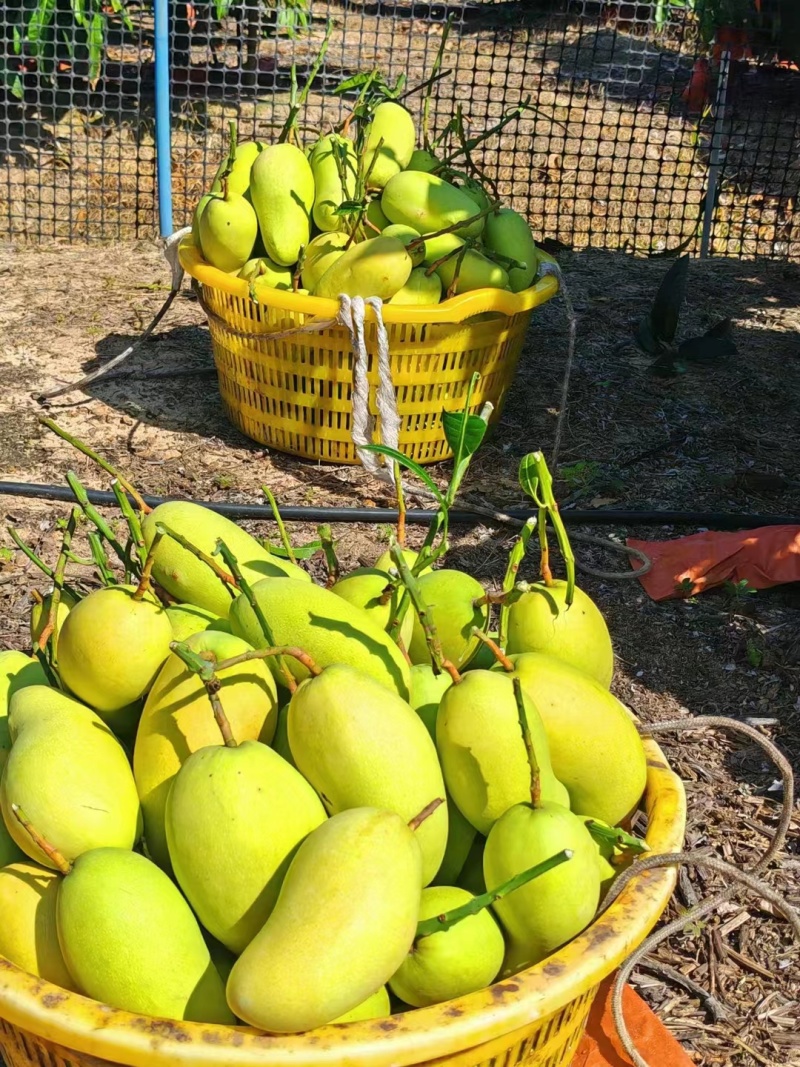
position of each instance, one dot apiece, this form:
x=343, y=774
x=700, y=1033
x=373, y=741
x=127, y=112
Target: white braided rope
x=351, y=315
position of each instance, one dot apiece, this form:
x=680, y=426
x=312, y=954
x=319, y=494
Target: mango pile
x=368, y=215
x=231, y=794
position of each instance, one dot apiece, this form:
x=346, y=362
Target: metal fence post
x=163, y=120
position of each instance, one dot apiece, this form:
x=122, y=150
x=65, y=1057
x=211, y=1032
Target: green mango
x=349, y=735
x=375, y=214
x=378, y=1006
x=548, y=912
x=324, y=626
x=186, y=577
x=280, y=742
x=450, y=963
x=202, y=204
x=476, y=192
x=471, y=875
x=176, y=722
x=420, y=290
x=540, y=621
x=428, y=204
x=322, y=252
x=427, y=690
x=508, y=233
x=282, y=191
x=110, y=649
x=460, y=837
x=483, y=754
x=150, y=958
x=344, y=922
x=228, y=229
x=41, y=612
x=422, y=160
x=392, y=123
x=407, y=234
x=239, y=177
x=188, y=619
x=364, y=588
x=28, y=936
x=475, y=271
x=379, y=267
x=69, y=775
x=595, y=748
x=451, y=597
x=328, y=154
x=17, y=670
x=263, y=272
x=232, y=876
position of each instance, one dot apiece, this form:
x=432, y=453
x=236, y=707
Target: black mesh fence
x=635, y=135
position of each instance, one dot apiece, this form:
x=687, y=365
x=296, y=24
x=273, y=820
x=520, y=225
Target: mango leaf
x=666, y=308
x=38, y=24
x=452, y=422
x=96, y=43
x=300, y=551
x=528, y=475
x=348, y=207
x=409, y=464
x=11, y=79
x=17, y=41
x=79, y=12
x=645, y=338
x=221, y=9
x=356, y=82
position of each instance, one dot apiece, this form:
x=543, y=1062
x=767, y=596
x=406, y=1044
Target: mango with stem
x=335, y=169
x=458, y=604
x=390, y=139
x=428, y=204
x=282, y=191
x=235, y=815
x=28, y=933
x=366, y=588
x=379, y=267
x=509, y=234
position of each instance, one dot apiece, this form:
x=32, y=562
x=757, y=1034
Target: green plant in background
x=43, y=32
x=710, y=14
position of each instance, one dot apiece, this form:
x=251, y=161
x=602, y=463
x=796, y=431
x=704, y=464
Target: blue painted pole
x=163, y=122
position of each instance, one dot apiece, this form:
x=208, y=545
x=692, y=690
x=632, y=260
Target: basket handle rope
x=351, y=315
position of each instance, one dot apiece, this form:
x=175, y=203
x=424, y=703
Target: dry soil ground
x=726, y=437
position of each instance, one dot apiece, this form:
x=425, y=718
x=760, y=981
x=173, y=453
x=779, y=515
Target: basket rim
x=456, y=309
x=87, y=1027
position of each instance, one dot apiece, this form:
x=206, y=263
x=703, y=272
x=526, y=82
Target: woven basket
x=293, y=393
x=536, y=1018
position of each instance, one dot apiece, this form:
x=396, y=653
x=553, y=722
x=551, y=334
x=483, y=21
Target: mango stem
x=205, y=667
x=62, y=864
x=102, y=463
x=616, y=836
x=227, y=579
x=515, y=558
x=401, y=505
x=440, y=663
x=94, y=516
x=287, y=544
x=551, y=505
x=265, y=653
x=437, y=923
x=427, y=811
x=533, y=762
x=132, y=519
x=331, y=559
x=456, y=225
x=51, y=625
x=147, y=570
x=494, y=648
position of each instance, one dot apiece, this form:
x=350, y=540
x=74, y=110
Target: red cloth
x=764, y=557
x=601, y=1046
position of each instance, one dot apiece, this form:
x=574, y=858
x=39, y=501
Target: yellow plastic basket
x=536, y=1018
x=293, y=393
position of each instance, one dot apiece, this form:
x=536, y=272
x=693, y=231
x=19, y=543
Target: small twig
x=132, y=519
x=242, y=583
x=401, y=505
x=51, y=625
x=515, y=559
x=533, y=762
x=101, y=559
x=424, y=615
x=102, y=463
x=199, y=665
x=716, y=1011
x=144, y=582
x=94, y=516
x=427, y=811
x=494, y=648
x=56, y=858
x=438, y=923
x=228, y=580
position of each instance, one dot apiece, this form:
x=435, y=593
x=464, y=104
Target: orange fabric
x=764, y=557
x=601, y=1046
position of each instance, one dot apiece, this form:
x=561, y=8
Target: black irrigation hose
x=602, y=517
